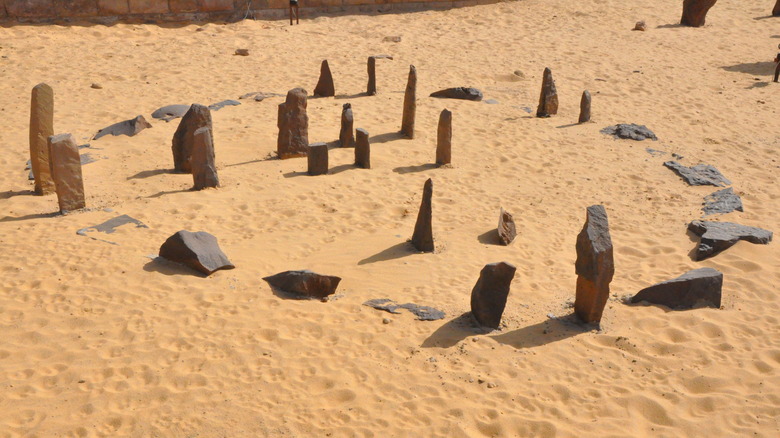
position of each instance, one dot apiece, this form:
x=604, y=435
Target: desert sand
x=99, y=340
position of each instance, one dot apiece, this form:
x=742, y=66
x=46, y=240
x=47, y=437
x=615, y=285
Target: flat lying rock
x=110, y=226
x=548, y=99
x=199, y=251
x=242, y=52
x=629, y=131
x=463, y=93
x=66, y=172
x=699, y=175
x=423, y=313
x=716, y=237
x=700, y=286
x=304, y=283
x=488, y=298
x=721, y=202
x=506, y=227
x=219, y=105
x=128, y=127
x=170, y=112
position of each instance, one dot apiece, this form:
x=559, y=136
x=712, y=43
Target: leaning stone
x=293, y=124
x=506, y=227
x=362, y=149
x=548, y=99
x=716, y=237
x=695, y=12
x=198, y=116
x=304, y=283
x=594, y=267
x=444, y=138
x=129, y=128
x=170, y=112
x=698, y=286
x=318, y=159
x=199, y=251
x=410, y=104
x=463, y=93
x=721, y=202
x=346, y=138
x=488, y=298
x=629, y=131
x=41, y=128
x=422, y=239
x=585, y=107
x=699, y=175
x=204, y=171
x=66, y=172
x=325, y=86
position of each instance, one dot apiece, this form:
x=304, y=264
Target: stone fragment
x=716, y=237
x=318, y=159
x=629, y=131
x=325, y=87
x=198, y=116
x=362, y=149
x=423, y=313
x=584, y=107
x=41, y=128
x=506, y=227
x=304, y=283
x=293, y=124
x=346, y=137
x=96, y=86
x=128, y=127
x=242, y=52
x=548, y=99
x=204, y=171
x=463, y=93
x=170, y=112
x=66, y=172
x=422, y=239
x=688, y=290
x=444, y=138
x=594, y=267
x=721, y=202
x=776, y=9
x=640, y=26
x=392, y=39
x=488, y=298
x=410, y=104
x=699, y=175
x=219, y=105
x=199, y=251
x=695, y=11
x=371, y=65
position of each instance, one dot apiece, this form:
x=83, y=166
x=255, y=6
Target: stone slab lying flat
x=463, y=93
x=170, y=112
x=110, y=226
x=699, y=175
x=423, y=313
x=721, y=202
x=700, y=286
x=716, y=237
x=129, y=128
x=199, y=251
x=629, y=131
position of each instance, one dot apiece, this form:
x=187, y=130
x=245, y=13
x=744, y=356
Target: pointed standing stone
x=66, y=171
x=204, y=171
x=695, y=12
x=506, y=227
x=595, y=266
x=410, y=104
x=488, y=298
x=293, y=123
x=318, y=159
x=444, y=138
x=346, y=138
x=362, y=149
x=325, y=86
x=548, y=99
x=585, y=107
x=41, y=128
x=198, y=116
x=422, y=239
x=776, y=9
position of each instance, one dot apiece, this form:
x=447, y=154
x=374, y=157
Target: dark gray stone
x=410, y=104
x=463, y=93
x=655, y=152
x=325, y=86
x=585, y=107
x=423, y=313
x=128, y=127
x=444, y=138
x=548, y=99
x=198, y=116
x=170, y=112
x=594, y=267
x=304, y=283
x=629, y=131
x=346, y=136
x=219, y=105
x=488, y=298
x=318, y=159
x=362, y=149
x=293, y=124
x=700, y=286
x=506, y=227
x=699, y=175
x=716, y=237
x=721, y=202
x=422, y=239
x=199, y=251
x=110, y=226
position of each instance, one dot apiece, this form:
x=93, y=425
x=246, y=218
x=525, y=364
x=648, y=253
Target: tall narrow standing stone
x=695, y=12
x=318, y=159
x=585, y=107
x=422, y=239
x=776, y=9
x=488, y=298
x=371, y=87
x=293, y=123
x=346, y=138
x=204, y=171
x=595, y=266
x=66, y=171
x=362, y=149
x=410, y=104
x=198, y=116
x=41, y=128
x=325, y=86
x=444, y=138
x=548, y=99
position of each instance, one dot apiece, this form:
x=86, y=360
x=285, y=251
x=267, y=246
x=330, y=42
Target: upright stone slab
x=318, y=159
x=410, y=104
x=422, y=239
x=346, y=138
x=371, y=87
x=700, y=286
x=325, y=86
x=548, y=99
x=362, y=149
x=41, y=128
x=695, y=12
x=506, y=227
x=595, y=266
x=66, y=171
x=776, y=9
x=293, y=123
x=585, y=107
x=488, y=298
x=198, y=116
x=204, y=171
x=444, y=138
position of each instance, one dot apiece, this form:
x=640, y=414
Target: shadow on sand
x=396, y=251
x=150, y=173
x=166, y=267
x=412, y=169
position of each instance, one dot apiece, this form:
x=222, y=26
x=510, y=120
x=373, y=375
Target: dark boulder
x=318, y=159
x=695, y=12
x=585, y=107
x=698, y=286
x=488, y=298
x=199, y=251
x=698, y=175
x=325, y=86
x=716, y=237
x=293, y=124
x=198, y=116
x=362, y=149
x=304, y=283
x=548, y=99
x=463, y=93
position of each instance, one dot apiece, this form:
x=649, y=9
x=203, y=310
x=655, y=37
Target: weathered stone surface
x=346, y=136
x=318, y=159
x=506, y=227
x=422, y=239
x=219, y=105
x=695, y=11
x=423, y=313
x=148, y=7
x=585, y=107
x=548, y=99
x=488, y=298
x=198, y=116
x=371, y=87
x=776, y=9
x=716, y=237
x=594, y=267
x=325, y=87
x=305, y=283
x=629, y=131
x=640, y=26
x=66, y=172
x=128, y=127
x=204, y=171
x=362, y=149
x=170, y=112
x=113, y=7
x=30, y=8
x=216, y=5
x=721, y=202
x=76, y=8
x=699, y=175
x=199, y=251
x=444, y=138
x=41, y=128
x=463, y=93
x=700, y=286
x=293, y=124
x=410, y=104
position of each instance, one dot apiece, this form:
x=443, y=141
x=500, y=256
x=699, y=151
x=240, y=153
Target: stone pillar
x=65, y=171
x=410, y=104
x=371, y=88
x=41, y=128
x=695, y=12
x=318, y=159
x=585, y=107
x=488, y=298
x=594, y=267
x=198, y=116
x=422, y=239
x=325, y=86
x=346, y=138
x=548, y=100
x=204, y=171
x=444, y=138
x=362, y=149
x=293, y=123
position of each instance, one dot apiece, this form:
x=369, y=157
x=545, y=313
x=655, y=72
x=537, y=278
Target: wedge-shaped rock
x=506, y=227
x=305, y=283
x=716, y=237
x=422, y=239
x=325, y=86
x=585, y=107
x=699, y=175
x=688, y=290
x=198, y=116
x=463, y=93
x=488, y=298
x=199, y=251
x=66, y=172
x=595, y=266
x=548, y=99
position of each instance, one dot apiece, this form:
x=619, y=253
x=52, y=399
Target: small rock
x=519, y=74
x=721, y=202
x=219, y=105
x=170, y=112
x=386, y=321
x=97, y=86
x=506, y=227
x=640, y=26
x=491, y=385
x=199, y=251
x=304, y=283
x=242, y=52
x=392, y=39
x=698, y=286
x=629, y=131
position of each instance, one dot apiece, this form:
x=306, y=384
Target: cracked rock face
x=716, y=237
x=199, y=251
x=629, y=131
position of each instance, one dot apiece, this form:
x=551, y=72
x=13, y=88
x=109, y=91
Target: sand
x=99, y=340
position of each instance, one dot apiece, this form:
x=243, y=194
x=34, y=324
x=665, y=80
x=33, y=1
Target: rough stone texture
x=148, y=6
x=76, y=8
x=423, y=313
x=218, y=5
x=721, y=202
x=66, y=172
x=371, y=87
x=640, y=26
x=594, y=267
x=422, y=239
x=198, y=116
x=293, y=124
x=699, y=175
x=548, y=99
x=488, y=298
x=199, y=251
x=219, y=105
x=204, y=171
x=688, y=290
x=305, y=283
x=41, y=128
x=410, y=104
x=113, y=7
x=31, y=8
x=170, y=112
x=463, y=93
x=776, y=10
x=444, y=138
x=346, y=136
x=716, y=237
x=362, y=149
x=584, y=107
x=629, y=131
x=128, y=127
x=325, y=87
x=318, y=159
x=506, y=227
x=695, y=11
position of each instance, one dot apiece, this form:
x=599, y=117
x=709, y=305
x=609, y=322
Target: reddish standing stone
x=41, y=128
x=371, y=87
x=199, y=251
x=506, y=227
x=410, y=104
x=293, y=123
x=700, y=286
x=584, y=107
x=362, y=149
x=325, y=86
x=594, y=267
x=204, y=171
x=422, y=239
x=695, y=12
x=488, y=298
x=548, y=99
x=318, y=159
x=346, y=138
x=66, y=172
x=198, y=116
x=444, y=138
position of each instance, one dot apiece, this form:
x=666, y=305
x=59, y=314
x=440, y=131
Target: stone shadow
x=396, y=251
x=11, y=193
x=545, y=332
x=150, y=173
x=764, y=68
x=167, y=267
x=412, y=169
x=453, y=331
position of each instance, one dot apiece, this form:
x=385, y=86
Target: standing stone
x=506, y=227
x=488, y=298
x=700, y=286
x=293, y=123
x=422, y=239
x=41, y=128
x=371, y=88
x=204, y=171
x=595, y=266
x=325, y=86
x=346, y=138
x=548, y=99
x=695, y=11
x=585, y=107
x=198, y=116
x=410, y=104
x=776, y=10
x=444, y=138
x=318, y=159
x=362, y=149
x=66, y=171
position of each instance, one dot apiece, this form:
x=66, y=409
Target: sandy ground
x=100, y=340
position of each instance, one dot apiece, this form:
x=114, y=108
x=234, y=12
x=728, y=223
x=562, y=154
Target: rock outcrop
x=293, y=124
